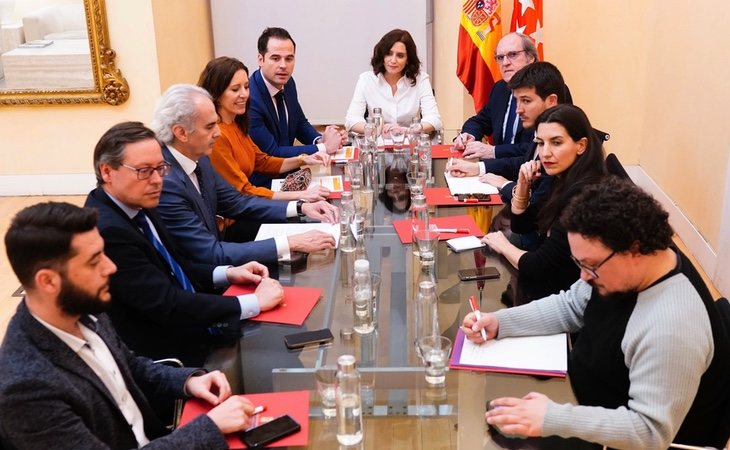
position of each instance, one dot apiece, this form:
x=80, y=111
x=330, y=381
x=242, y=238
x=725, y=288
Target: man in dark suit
x=164, y=305
x=498, y=118
x=68, y=381
x=185, y=120
x=274, y=128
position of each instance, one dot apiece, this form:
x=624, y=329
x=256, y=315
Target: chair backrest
x=614, y=167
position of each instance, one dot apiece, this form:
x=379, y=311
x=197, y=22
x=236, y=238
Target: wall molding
x=705, y=255
x=57, y=184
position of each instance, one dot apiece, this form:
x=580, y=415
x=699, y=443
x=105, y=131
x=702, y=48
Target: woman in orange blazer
x=235, y=156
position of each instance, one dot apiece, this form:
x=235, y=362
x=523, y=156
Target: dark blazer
x=152, y=313
x=265, y=121
x=50, y=398
x=190, y=217
x=490, y=119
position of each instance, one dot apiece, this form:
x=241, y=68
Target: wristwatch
x=301, y=159
x=299, y=209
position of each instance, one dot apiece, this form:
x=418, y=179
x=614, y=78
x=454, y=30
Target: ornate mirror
x=58, y=53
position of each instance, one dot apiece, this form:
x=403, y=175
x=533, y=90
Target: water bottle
x=378, y=122
x=427, y=322
x=418, y=218
x=362, y=301
x=424, y=155
x=370, y=132
x=367, y=153
x=414, y=132
x=347, y=213
x=349, y=410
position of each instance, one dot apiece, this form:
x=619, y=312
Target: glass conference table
x=399, y=409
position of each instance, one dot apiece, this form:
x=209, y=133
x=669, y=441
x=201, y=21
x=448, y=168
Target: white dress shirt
x=373, y=91
x=94, y=352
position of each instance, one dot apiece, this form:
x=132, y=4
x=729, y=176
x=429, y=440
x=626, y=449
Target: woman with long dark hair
x=396, y=85
x=573, y=155
x=235, y=156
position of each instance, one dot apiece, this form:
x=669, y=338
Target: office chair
x=179, y=402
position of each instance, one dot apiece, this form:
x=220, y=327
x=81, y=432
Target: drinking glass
x=435, y=352
x=354, y=170
x=398, y=135
x=426, y=238
x=325, y=377
x=417, y=182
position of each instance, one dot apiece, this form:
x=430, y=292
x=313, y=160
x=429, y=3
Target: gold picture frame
x=110, y=86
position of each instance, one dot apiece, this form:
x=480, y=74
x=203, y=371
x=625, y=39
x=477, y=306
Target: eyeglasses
x=592, y=271
x=144, y=173
x=509, y=55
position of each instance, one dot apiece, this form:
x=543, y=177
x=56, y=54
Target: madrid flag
x=479, y=33
x=527, y=19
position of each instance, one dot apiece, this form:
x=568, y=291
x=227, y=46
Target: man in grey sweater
x=652, y=359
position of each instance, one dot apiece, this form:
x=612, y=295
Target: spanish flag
x=479, y=33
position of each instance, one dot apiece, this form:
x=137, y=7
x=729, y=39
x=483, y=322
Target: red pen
x=453, y=230
x=473, y=303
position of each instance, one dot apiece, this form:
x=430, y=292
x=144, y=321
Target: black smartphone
x=299, y=340
x=269, y=432
x=480, y=273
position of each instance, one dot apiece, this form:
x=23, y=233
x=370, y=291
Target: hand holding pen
x=475, y=310
x=478, y=327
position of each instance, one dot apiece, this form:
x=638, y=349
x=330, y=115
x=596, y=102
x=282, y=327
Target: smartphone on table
x=299, y=340
x=479, y=273
x=269, y=432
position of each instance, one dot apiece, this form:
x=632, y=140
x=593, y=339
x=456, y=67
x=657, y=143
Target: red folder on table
x=441, y=196
x=529, y=355
x=293, y=403
x=298, y=303
x=444, y=152
x=405, y=234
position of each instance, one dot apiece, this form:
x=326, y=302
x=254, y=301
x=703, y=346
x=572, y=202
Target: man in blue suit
x=186, y=121
x=276, y=116
x=68, y=381
x=498, y=118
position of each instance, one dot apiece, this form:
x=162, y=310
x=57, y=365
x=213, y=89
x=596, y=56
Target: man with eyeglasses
x=164, y=305
x=651, y=363
x=498, y=118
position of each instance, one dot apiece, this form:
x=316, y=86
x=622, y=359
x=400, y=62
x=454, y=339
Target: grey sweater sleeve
x=558, y=313
x=667, y=347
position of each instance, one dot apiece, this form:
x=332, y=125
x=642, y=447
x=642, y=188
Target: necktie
x=510, y=125
x=199, y=174
x=177, y=271
x=281, y=111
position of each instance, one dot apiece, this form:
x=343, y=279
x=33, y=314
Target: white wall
x=334, y=40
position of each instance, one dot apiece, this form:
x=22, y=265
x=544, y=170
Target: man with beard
x=68, y=381
x=652, y=360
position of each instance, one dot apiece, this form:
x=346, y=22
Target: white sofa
x=56, y=22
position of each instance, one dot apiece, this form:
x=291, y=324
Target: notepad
x=465, y=243
x=271, y=230
x=531, y=355
x=346, y=153
x=293, y=403
x=405, y=234
x=468, y=185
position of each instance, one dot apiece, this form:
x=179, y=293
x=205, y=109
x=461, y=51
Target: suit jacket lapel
x=58, y=352
x=269, y=103
x=202, y=208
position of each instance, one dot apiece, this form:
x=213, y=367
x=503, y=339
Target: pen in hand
x=475, y=309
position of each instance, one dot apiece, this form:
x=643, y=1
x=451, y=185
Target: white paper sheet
x=538, y=353
x=270, y=230
x=346, y=153
x=464, y=243
x=468, y=185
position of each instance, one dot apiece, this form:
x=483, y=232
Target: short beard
x=75, y=302
x=614, y=296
